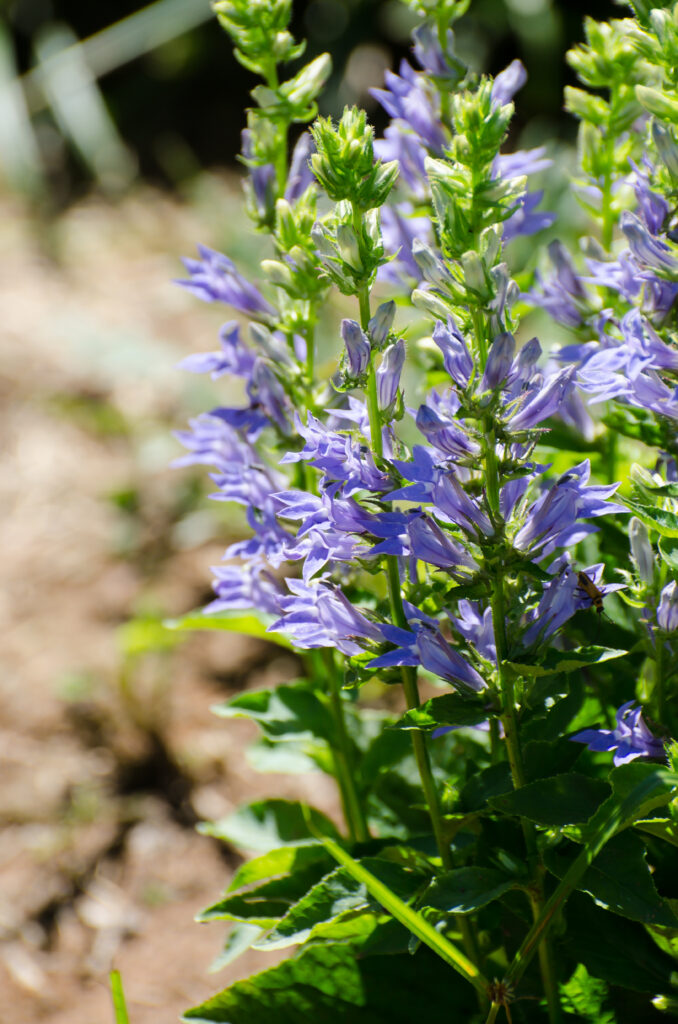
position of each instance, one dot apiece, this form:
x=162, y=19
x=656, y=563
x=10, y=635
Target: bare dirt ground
x=106, y=760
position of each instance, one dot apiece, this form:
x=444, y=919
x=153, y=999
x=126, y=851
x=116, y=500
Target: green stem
x=492, y=1015
x=343, y=761
x=310, y=355
x=607, y=214
x=510, y=723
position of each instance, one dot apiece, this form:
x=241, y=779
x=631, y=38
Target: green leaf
x=289, y=710
x=284, y=861
x=466, y=889
x=145, y=635
x=449, y=709
x=337, y=894
x=585, y=996
x=566, y=661
x=266, y=824
x=617, y=950
x=411, y=919
x=265, y=903
x=328, y=984
x=668, y=549
x=561, y=800
x=662, y=828
x=290, y=757
x=665, y=523
x=619, y=879
x=239, y=939
x=544, y=758
x=483, y=786
x=250, y=624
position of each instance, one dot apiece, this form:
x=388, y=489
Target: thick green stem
x=492, y=1015
x=343, y=760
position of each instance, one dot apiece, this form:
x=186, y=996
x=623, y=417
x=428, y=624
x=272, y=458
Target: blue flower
x=388, y=374
x=233, y=358
x=214, y=278
x=667, y=612
x=357, y=347
x=426, y=646
x=406, y=99
x=245, y=586
x=318, y=614
x=630, y=739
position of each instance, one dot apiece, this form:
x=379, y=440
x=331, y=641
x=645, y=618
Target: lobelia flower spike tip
x=418, y=532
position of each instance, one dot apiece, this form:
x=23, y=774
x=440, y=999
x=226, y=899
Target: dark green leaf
x=328, y=985
x=266, y=824
x=560, y=800
x=249, y=624
x=385, y=750
x=543, y=758
x=617, y=950
x=466, y=889
x=566, y=661
x=619, y=879
x=449, y=709
x=267, y=902
x=484, y=785
x=336, y=894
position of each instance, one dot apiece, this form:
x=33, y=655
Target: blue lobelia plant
x=487, y=863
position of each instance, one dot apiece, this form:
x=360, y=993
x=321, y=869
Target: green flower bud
x=658, y=103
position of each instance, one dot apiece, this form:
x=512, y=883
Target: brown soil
x=108, y=761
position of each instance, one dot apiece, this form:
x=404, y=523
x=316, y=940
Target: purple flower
x=542, y=400
x=648, y=250
x=499, y=362
x=527, y=219
x=456, y=356
x=400, y=233
x=245, y=586
x=562, y=295
x=427, y=647
x=213, y=278
x=411, y=156
x=357, y=347
x=262, y=181
x=233, y=358
x=430, y=543
x=340, y=457
x=388, y=374
x=432, y=58
x=300, y=174
x=508, y=82
x=476, y=628
x=667, y=612
x=406, y=99
x=445, y=433
x=630, y=739
x=318, y=614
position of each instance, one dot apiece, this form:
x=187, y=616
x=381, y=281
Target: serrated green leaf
x=251, y=624
x=619, y=879
x=466, y=889
x=290, y=757
x=338, y=894
x=328, y=984
x=484, y=785
x=284, y=861
x=561, y=800
x=267, y=824
x=566, y=661
x=449, y=709
x=662, y=828
x=288, y=710
x=659, y=519
x=264, y=903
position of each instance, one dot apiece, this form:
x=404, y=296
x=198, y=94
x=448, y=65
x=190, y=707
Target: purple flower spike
x=301, y=175
x=215, y=279
x=357, y=347
x=456, y=356
x=667, y=612
x=647, y=249
x=406, y=99
x=630, y=739
x=388, y=374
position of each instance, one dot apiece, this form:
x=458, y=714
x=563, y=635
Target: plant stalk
x=343, y=761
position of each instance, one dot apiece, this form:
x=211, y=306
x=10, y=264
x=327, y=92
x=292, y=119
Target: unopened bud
x=641, y=550
x=382, y=322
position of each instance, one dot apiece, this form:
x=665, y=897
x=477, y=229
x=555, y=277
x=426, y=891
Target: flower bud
x=381, y=323
x=278, y=273
x=433, y=270
x=499, y=361
x=474, y=273
x=388, y=374
x=347, y=244
x=641, y=550
x=357, y=347
x=667, y=612
x=667, y=146
x=658, y=103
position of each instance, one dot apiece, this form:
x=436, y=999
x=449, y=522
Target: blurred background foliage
x=155, y=91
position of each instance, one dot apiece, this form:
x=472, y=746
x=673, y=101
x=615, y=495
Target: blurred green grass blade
x=123, y=41
x=20, y=157
x=118, y=995
x=79, y=108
